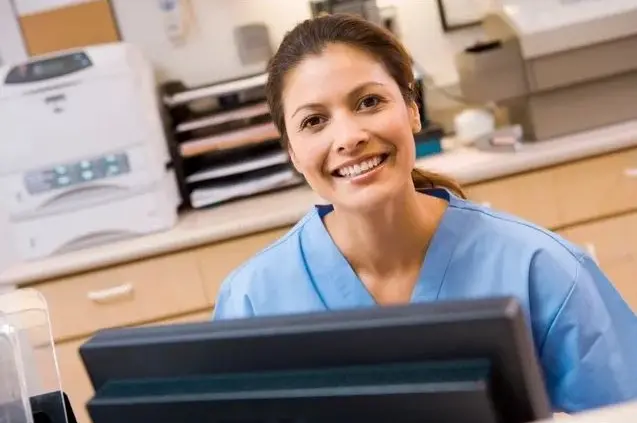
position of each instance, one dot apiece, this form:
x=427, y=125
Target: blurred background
x=139, y=164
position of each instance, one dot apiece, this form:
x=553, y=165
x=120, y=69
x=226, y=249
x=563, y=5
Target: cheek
x=310, y=154
x=396, y=128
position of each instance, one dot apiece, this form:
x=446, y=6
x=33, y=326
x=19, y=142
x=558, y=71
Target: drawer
x=124, y=295
x=601, y=186
x=613, y=244
x=218, y=260
x=521, y=195
x=624, y=277
x=609, y=241
x=566, y=194
x=75, y=381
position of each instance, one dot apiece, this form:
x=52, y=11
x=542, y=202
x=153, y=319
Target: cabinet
x=123, y=295
x=592, y=202
x=613, y=244
x=566, y=195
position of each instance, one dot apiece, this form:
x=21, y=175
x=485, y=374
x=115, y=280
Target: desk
x=582, y=186
x=623, y=413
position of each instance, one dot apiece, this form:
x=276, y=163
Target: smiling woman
x=377, y=82
x=340, y=92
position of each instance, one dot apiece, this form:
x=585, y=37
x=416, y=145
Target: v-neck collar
x=341, y=288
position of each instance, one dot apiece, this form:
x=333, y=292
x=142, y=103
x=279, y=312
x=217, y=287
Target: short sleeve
x=231, y=303
x=589, y=354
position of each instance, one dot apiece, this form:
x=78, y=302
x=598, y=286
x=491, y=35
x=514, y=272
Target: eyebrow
x=352, y=93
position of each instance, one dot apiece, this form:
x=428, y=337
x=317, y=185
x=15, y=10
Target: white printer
x=83, y=154
x=557, y=66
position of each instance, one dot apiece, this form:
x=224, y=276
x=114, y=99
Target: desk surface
x=244, y=217
x=623, y=413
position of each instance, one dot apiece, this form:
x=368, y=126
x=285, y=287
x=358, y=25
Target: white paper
x=224, y=117
x=235, y=168
x=202, y=197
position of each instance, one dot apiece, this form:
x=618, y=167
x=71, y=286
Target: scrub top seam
x=443, y=279
x=314, y=284
x=557, y=315
x=527, y=225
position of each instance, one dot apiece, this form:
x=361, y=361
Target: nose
x=349, y=136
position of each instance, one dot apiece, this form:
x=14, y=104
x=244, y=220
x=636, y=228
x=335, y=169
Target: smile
x=361, y=168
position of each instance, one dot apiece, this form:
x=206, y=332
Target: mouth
x=362, y=167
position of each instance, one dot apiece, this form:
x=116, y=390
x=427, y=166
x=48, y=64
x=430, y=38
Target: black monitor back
x=445, y=362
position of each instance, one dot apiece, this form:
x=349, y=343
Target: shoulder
x=585, y=332
x=518, y=236
x=270, y=274
x=540, y=265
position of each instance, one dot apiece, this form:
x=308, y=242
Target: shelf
x=215, y=194
x=217, y=90
x=232, y=139
x=246, y=112
x=251, y=164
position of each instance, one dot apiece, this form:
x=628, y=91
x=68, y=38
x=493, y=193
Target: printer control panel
x=83, y=171
x=49, y=68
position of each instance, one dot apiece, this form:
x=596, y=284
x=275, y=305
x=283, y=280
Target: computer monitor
x=466, y=361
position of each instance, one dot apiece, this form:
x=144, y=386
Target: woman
x=340, y=91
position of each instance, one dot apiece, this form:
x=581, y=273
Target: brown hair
x=313, y=35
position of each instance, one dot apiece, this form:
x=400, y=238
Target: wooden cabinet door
x=613, y=244
x=133, y=293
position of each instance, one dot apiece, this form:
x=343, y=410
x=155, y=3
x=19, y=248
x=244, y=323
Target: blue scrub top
x=584, y=332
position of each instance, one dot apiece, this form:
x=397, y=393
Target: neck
x=389, y=239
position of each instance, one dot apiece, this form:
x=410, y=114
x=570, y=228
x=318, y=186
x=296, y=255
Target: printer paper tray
x=144, y=213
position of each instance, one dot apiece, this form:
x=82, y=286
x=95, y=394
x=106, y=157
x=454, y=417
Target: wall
x=209, y=54
x=27, y=7
x=12, y=47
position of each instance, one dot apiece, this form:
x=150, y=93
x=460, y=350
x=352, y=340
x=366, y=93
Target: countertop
x=284, y=208
x=620, y=413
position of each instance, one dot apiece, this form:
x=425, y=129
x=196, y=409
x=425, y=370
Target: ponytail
x=426, y=180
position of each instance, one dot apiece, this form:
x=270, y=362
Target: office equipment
x=30, y=388
x=223, y=141
x=558, y=67
x=83, y=158
x=444, y=362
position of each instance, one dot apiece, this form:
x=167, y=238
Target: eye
x=369, y=102
x=311, y=121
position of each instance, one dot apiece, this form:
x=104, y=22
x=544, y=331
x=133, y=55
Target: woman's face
x=350, y=131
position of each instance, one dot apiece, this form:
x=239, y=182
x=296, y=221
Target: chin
x=364, y=202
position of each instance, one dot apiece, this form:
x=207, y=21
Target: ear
x=414, y=117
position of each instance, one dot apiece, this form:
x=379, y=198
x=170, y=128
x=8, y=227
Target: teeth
x=359, y=168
